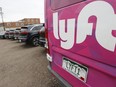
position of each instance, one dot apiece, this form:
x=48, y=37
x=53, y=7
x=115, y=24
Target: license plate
x=76, y=69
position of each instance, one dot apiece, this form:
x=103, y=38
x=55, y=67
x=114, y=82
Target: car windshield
x=18, y=29
x=29, y=27
x=42, y=29
x=36, y=27
x=11, y=30
x=26, y=28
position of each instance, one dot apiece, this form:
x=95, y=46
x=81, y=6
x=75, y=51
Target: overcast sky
x=15, y=10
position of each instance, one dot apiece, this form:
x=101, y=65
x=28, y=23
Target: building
x=28, y=21
x=20, y=23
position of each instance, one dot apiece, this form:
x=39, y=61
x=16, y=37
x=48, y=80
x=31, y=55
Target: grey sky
x=15, y=10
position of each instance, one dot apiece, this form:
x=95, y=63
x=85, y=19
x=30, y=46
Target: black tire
x=35, y=41
x=4, y=37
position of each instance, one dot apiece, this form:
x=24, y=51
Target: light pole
x=2, y=17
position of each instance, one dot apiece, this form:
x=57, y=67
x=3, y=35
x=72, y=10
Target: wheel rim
x=35, y=41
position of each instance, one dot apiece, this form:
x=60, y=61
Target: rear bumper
x=11, y=36
x=22, y=39
x=62, y=82
x=6, y=36
x=16, y=37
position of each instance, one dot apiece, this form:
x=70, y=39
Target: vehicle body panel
x=11, y=34
x=7, y=34
x=100, y=61
x=16, y=34
x=2, y=34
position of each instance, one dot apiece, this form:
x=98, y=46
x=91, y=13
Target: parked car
x=16, y=33
x=24, y=32
x=11, y=34
x=7, y=34
x=29, y=34
x=2, y=34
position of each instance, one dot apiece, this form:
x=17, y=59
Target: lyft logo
x=106, y=23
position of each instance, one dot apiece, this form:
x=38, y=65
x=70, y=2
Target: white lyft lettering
x=105, y=24
x=67, y=38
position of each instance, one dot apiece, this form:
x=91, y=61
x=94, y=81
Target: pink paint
x=92, y=52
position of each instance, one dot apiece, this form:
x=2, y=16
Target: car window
x=42, y=29
x=56, y=4
x=11, y=30
x=24, y=28
x=18, y=29
x=29, y=27
x=36, y=28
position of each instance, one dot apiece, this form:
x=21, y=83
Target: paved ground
x=24, y=66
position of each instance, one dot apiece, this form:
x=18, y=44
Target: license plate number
x=76, y=69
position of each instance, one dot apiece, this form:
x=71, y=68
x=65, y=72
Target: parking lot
x=24, y=66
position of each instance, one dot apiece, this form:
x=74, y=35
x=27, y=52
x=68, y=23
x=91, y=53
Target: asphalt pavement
x=22, y=65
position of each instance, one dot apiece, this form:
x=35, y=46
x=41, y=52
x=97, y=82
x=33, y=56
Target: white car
x=2, y=34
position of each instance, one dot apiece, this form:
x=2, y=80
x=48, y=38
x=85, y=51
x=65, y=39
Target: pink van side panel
x=101, y=62
x=90, y=47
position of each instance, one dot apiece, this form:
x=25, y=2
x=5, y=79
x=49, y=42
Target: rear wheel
x=35, y=41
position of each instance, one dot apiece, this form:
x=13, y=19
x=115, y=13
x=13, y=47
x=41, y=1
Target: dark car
x=29, y=34
x=16, y=33
x=11, y=34
x=24, y=32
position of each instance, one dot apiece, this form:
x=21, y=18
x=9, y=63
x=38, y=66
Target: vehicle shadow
x=2, y=39
x=25, y=45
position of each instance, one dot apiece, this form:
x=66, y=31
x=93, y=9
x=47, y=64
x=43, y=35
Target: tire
x=4, y=37
x=35, y=41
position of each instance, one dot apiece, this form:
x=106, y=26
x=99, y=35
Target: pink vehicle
x=81, y=37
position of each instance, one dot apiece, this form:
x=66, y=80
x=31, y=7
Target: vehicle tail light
x=24, y=32
x=11, y=33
